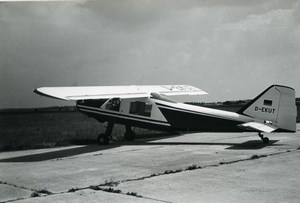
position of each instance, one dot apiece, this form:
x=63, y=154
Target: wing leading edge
x=106, y=92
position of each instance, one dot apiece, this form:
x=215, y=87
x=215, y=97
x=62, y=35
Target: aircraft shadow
x=253, y=144
x=90, y=146
x=59, y=154
x=249, y=145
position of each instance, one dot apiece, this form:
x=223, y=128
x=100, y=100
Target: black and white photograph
x=149, y=101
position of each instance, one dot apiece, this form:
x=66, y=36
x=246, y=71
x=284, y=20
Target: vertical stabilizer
x=276, y=106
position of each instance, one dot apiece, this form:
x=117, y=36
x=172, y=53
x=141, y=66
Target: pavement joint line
x=196, y=167
x=16, y=186
x=102, y=187
x=95, y=188
x=117, y=191
x=39, y=192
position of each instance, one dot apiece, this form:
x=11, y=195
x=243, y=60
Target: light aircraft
x=149, y=107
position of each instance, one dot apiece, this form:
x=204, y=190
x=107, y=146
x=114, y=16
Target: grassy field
x=45, y=129
x=31, y=129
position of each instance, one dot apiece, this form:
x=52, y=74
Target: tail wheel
x=264, y=139
x=103, y=139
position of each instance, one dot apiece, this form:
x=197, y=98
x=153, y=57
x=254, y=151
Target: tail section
x=275, y=106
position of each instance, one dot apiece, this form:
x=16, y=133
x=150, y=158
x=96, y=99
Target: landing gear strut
x=264, y=139
x=103, y=139
x=129, y=134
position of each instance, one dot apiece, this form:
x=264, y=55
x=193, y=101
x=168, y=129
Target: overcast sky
x=231, y=49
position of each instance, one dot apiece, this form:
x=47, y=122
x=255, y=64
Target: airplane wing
x=261, y=127
x=106, y=92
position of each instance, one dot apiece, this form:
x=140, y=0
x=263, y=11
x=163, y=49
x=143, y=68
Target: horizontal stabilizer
x=106, y=92
x=260, y=127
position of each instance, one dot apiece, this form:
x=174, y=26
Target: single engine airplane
x=149, y=107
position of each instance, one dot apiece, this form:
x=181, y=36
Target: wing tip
x=39, y=92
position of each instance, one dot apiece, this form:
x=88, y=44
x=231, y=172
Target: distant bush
x=43, y=109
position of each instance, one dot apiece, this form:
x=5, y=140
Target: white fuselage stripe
x=114, y=114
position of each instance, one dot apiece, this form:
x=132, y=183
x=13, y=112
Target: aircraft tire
x=103, y=139
x=266, y=140
x=129, y=136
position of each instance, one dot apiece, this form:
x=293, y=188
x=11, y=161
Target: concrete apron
x=198, y=167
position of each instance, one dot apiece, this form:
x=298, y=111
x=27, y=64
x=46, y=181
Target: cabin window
x=113, y=104
x=267, y=102
x=140, y=108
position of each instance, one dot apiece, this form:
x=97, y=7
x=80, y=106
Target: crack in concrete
x=35, y=193
x=44, y=192
x=16, y=186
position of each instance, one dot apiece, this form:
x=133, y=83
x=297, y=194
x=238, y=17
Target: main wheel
x=103, y=139
x=266, y=140
x=129, y=136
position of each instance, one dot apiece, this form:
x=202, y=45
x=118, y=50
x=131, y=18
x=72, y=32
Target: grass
x=110, y=182
x=193, y=167
x=38, y=193
x=112, y=190
x=166, y=172
x=44, y=191
x=35, y=194
x=255, y=156
x=95, y=187
x=32, y=130
x=133, y=194
x=73, y=189
x=44, y=130
x=172, y=171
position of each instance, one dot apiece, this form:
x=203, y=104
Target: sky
x=232, y=49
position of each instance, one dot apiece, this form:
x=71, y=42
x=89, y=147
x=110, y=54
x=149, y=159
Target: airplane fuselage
x=153, y=113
